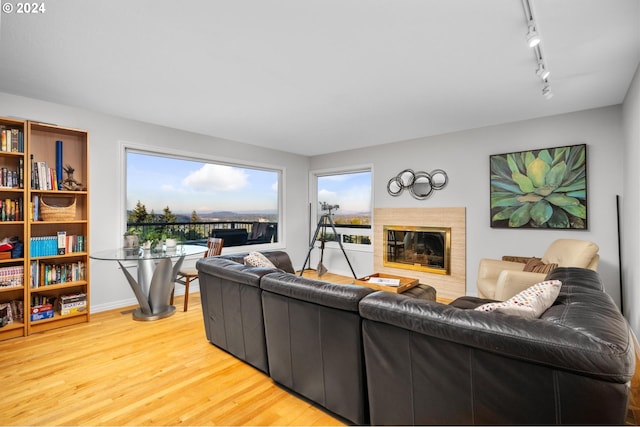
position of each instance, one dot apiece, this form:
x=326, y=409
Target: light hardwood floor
x=117, y=371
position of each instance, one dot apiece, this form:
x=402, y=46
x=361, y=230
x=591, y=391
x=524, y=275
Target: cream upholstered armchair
x=502, y=279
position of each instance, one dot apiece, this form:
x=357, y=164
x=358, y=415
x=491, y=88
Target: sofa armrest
x=511, y=282
x=491, y=268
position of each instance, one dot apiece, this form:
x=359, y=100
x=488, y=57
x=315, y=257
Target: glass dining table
x=157, y=271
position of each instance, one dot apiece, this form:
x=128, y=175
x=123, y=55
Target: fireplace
x=452, y=221
x=418, y=248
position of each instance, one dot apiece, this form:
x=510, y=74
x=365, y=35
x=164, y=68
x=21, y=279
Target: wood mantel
x=449, y=286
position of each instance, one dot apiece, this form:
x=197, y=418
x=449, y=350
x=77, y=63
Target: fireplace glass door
x=417, y=248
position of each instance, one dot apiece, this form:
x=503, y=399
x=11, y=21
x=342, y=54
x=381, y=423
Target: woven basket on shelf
x=58, y=209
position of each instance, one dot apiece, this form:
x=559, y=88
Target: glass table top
x=123, y=254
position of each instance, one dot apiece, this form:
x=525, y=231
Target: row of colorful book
x=11, y=276
x=47, y=274
x=12, y=311
x=43, y=177
x=11, y=140
x=13, y=178
x=56, y=245
x=11, y=210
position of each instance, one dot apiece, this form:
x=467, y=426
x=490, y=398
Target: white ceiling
x=319, y=76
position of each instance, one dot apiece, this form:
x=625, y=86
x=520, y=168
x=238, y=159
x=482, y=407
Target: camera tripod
x=327, y=219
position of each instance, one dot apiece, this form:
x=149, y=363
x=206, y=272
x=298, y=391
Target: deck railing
x=199, y=232
x=195, y=232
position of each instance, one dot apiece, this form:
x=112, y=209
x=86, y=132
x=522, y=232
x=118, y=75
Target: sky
x=351, y=191
x=187, y=185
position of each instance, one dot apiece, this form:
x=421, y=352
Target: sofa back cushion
x=280, y=259
x=571, y=253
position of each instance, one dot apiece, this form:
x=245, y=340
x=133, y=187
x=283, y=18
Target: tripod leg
x=335, y=233
x=321, y=269
x=311, y=246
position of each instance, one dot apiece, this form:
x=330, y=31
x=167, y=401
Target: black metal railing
x=199, y=232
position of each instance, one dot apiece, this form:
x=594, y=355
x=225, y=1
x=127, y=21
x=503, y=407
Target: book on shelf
x=13, y=310
x=11, y=140
x=35, y=213
x=6, y=316
x=11, y=276
x=34, y=275
x=62, y=242
x=54, y=274
x=43, y=177
x=11, y=210
x=49, y=245
x=10, y=178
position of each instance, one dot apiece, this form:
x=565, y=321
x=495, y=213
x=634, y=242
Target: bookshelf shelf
x=72, y=221
x=60, y=192
x=12, y=330
x=58, y=257
x=11, y=288
x=47, y=288
x=41, y=161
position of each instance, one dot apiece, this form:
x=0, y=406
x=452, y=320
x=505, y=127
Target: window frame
x=315, y=207
x=127, y=146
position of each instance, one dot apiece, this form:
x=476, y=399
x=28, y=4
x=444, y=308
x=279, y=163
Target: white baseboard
x=114, y=305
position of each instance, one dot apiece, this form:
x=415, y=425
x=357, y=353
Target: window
x=192, y=199
x=346, y=195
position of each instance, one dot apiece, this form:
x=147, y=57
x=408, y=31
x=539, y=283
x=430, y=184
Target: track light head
x=533, y=38
x=546, y=91
x=542, y=71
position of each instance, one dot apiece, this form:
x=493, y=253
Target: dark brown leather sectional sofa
x=386, y=359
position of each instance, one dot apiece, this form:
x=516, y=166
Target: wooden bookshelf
x=13, y=225
x=67, y=273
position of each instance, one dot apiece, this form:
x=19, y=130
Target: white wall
x=630, y=206
x=109, y=288
x=463, y=155
x=465, y=158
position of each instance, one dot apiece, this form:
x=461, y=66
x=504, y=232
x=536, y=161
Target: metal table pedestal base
x=140, y=316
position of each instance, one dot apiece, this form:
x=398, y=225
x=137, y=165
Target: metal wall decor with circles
x=420, y=184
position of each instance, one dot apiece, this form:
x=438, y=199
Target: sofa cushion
x=469, y=302
x=279, y=258
x=256, y=259
x=530, y=303
x=341, y=297
x=536, y=265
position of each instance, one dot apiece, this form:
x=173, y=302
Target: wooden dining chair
x=187, y=274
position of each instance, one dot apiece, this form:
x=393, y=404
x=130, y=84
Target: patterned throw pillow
x=256, y=259
x=536, y=265
x=530, y=303
x=513, y=258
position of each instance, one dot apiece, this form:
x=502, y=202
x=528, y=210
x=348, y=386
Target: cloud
x=216, y=178
x=274, y=186
x=330, y=197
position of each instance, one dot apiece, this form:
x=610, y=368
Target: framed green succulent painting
x=544, y=188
